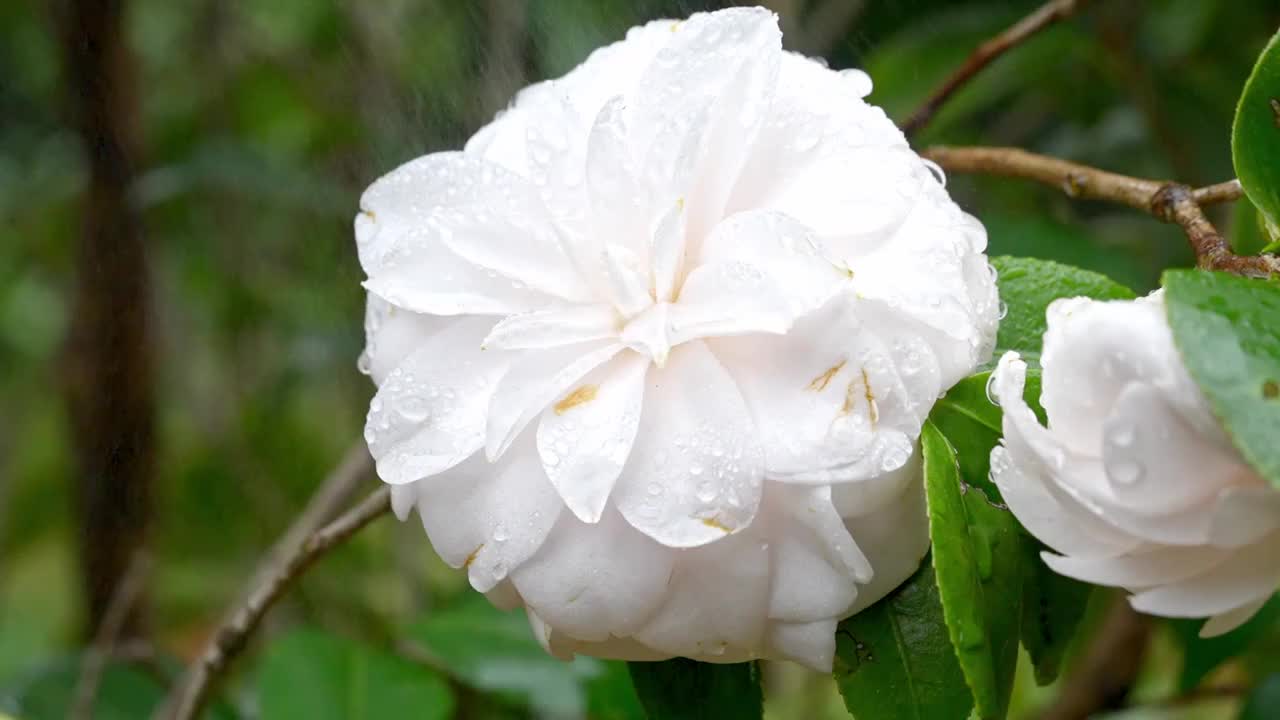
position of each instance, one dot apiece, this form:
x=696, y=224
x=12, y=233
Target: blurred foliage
x=262, y=122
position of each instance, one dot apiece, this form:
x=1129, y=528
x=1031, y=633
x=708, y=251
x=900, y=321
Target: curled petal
x=586, y=436
x=695, y=472
x=431, y=411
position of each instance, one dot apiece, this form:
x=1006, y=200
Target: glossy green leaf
x=1255, y=135
x=1052, y=608
x=314, y=675
x=1247, y=235
x=1263, y=702
x=894, y=660
x=1202, y=656
x=495, y=651
x=978, y=558
x=971, y=423
x=682, y=689
x=1028, y=285
x=1051, y=604
x=1227, y=331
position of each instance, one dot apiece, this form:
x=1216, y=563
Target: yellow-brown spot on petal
x=370, y=214
x=676, y=26
x=714, y=522
x=850, y=397
x=582, y=395
x=472, y=557
x=873, y=412
x=680, y=203
x=820, y=383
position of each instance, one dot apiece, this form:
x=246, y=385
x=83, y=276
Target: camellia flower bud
x=1133, y=482
x=654, y=351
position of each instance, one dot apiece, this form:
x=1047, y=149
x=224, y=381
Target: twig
x=1107, y=671
x=231, y=637
x=1201, y=694
x=104, y=641
x=1168, y=201
x=335, y=492
x=1048, y=14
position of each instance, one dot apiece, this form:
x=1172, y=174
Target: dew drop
x=1122, y=435
x=1127, y=473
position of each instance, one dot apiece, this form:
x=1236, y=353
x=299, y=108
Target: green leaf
x=1051, y=604
x=1052, y=607
x=1202, y=656
x=971, y=422
x=1028, y=285
x=496, y=651
x=681, y=689
x=1248, y=237
x=125, y=692
x=978, y=557
x=1227, y=331
x=894, y=660
x=1255, y=135
x=314, y=675
x=1264, y=702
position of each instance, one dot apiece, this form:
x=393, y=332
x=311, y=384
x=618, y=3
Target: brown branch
x=1048, y=14
x=229, y=640
x=104, y=642
x=1107, y=671
x=1167, y=201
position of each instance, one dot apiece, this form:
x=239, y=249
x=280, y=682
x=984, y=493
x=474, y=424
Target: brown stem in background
x=271, y=582
x=1048, y=14
x=1167, y=201
x=1106, y=673
x=105, y=641
x=108, y=353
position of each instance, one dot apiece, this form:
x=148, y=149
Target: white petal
x=504, y=595
x=1156, y=463
x=717, y=601
x=536, y=378
x=490, y=518
x=1243, y=514
x=932, y=272
x=430, y=412
x=859, y=498
x=403, y=499
x=554, y=327
x=811, y=644
x=694, y=474
x=1093, y=349
x=728, y=298
x=709, y=85
x=1249, y=574
x=448, y=232
x=669, y=250
x=621, y=207
x=1139, y=569
x=1062, y=525
x=391, y=334
x=628, y=281
x=829, y=399
x=784, y=249
x=806, y=585
x=592, y=581
x=585, y=438
x=819, y=115
x=895, y=540
x=1230, y=620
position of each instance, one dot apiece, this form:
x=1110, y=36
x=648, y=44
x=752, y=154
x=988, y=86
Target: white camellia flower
x=1134, y=482
x=654, y=351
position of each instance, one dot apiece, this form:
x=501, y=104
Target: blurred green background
x=260, y=121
